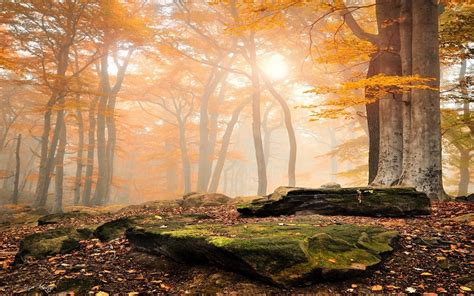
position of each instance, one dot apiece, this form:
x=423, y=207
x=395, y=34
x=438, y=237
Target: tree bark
x=464, y=173
x=86, y=195
x=289, y=128
x=388, y=62
x=425, y=170
x=17, y=171
x=80, y=151
x=58, y=204
x=184, y=157
x=224, y=148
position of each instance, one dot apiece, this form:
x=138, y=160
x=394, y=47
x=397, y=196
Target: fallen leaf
x=465, y=289
x=410, y=290
x=441, y=290
x=101, y=293
x=376, y=288
x=332, y=260
x=426, y=274
x=59, y=271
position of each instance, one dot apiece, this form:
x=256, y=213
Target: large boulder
x=362, y=201
x=203, y=199
x=282, y=254
x=43, y=244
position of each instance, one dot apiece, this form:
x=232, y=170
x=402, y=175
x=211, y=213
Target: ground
x=436, y=254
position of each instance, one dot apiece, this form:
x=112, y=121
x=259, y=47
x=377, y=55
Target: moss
x=282, y=254
x=48, y=243
x=113, y=229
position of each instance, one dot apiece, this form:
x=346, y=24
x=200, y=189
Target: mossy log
x=282, y=254
x=361, y=201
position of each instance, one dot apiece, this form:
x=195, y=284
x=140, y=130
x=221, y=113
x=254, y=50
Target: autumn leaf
x=376, y=288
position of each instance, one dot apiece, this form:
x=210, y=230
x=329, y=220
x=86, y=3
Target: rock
x=468, y=198
x=113, y=229
x=56, y=218
x=362, y=201
x=332, y=185
x=285, y=255
x=51, y=242
x=203, y=199
x=80, y=285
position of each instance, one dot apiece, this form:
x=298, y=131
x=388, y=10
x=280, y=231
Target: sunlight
x=275, y=67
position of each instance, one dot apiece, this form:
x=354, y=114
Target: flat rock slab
x=282, y=254
x=360, y=201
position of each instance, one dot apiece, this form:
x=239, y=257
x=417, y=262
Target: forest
x=320, y=147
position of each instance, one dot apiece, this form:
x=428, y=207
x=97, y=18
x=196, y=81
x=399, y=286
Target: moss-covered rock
x=113, y=229
x=203, y=199
x=51, y=242
x=56, y=218
x=281, y=254
x=361, y=201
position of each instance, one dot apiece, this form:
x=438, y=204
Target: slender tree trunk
x=388, y=62
x=17, y=171
x=184, y=157
x=256, y=119
x=111, y=140
x=59, y=184
x=332, y=146
x=289, y=128
x=224, y=148
x=425, y=149
x=102, y=178
x=80, y=151
x=171, y=173
x=464, y=174
x=86, y=195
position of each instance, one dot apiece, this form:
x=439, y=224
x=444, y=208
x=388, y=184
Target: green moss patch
x=56, y=218
x=281, y=254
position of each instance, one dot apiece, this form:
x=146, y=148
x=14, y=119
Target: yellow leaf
x=101, y=293
x=332, y=260
x=426, y=274
x=465, y=289
x=376, y=288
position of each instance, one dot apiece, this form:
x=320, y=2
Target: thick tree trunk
x=372, y=110
x=16, y=181
x=224, y=148
x=86, y=195
x=58, y=204
x=425, y=170
x=406, y=56
x=80, y=151
x=388, y=62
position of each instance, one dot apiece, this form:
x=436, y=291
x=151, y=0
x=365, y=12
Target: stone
x=113, y=229
x=357, y=201
x=56, y=218
x=56, y=241
x=332, y=185
x=203, y=199
x=281, y=254
x=469, y=198
x=80, y=285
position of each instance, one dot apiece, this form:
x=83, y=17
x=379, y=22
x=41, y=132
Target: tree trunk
x=111, y=140
x=184, y=157
x=256, y=118
x=224, y=148
x=464, y=172
x=58, y=204
x=289, y=128
x=171, y=173
x=80, y=149
x=425, y=144
x=17, y=171
x=86, y=195
x=388, y=62
x=406, y=56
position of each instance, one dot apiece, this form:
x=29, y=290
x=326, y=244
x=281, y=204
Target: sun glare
x=275, y=67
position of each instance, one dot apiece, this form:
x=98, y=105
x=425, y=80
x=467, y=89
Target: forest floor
x=435, y=255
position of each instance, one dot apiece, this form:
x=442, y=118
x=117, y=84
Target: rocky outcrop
x=203, y=199
x=282, y=254
x=363, y=201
